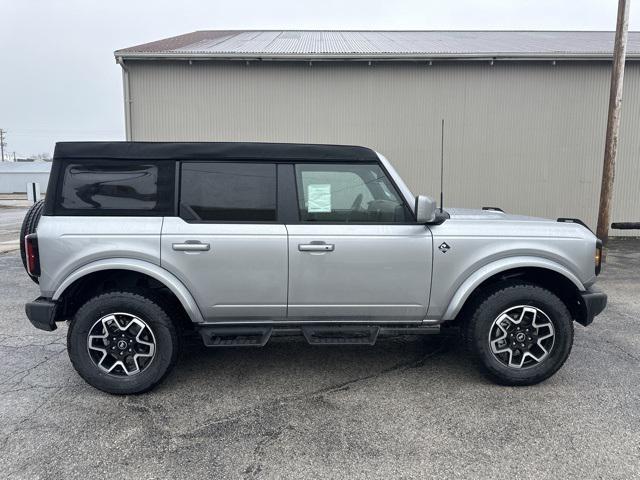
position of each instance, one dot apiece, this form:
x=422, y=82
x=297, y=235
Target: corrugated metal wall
x=527, y=136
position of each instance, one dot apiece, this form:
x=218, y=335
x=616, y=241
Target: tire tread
x=164, y=319
x=29, y=226
x=473, y=346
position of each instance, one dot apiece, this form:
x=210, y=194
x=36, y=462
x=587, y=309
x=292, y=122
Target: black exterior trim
x=316, y=333
x=177, y=189
x=284, y=155
x=441, y=217
x=52, y=189
x=287, y=204
x=574, y=220
x=160, y=152
x=213, y=151
x=593, y=303
x=42, y=313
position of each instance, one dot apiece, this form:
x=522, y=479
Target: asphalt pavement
x=405, y=408
x=10, y=223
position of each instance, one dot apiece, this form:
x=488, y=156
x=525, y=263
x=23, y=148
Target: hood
x=495, y=222
x=477, y=214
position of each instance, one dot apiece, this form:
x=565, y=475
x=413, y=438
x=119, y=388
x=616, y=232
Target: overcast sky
x=59, y=80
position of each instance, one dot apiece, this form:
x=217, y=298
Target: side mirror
x=425, y=209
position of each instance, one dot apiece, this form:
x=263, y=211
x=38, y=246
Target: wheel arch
x=136, y=269
x=542, y=272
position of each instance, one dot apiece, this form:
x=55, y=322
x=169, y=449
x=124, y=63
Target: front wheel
x=122, y=342
x=520, y=334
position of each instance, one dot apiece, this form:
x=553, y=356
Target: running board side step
x=235, y=336
x=341, y=335
x=259, y=335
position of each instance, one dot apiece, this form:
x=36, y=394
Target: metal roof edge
x=504, y=56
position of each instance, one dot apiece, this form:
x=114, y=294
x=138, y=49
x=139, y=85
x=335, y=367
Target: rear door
x=356, y=252
x=227, y=245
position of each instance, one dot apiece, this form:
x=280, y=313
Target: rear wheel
x=520, y=334
x=122, y=342
x=29, y=225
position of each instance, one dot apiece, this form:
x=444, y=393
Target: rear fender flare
x=140, y=266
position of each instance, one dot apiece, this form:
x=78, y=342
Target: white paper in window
x=319, y=198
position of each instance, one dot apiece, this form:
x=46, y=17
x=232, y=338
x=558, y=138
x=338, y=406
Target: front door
x=227, y=246
x=356, y=254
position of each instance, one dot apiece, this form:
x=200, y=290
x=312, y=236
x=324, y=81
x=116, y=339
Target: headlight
x=598, y=255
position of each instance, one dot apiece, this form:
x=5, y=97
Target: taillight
x=31, y=251
x=598, y=255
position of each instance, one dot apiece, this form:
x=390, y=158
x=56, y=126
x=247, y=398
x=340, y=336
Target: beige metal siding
x=525, y=136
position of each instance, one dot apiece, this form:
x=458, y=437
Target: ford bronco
x=138, y=244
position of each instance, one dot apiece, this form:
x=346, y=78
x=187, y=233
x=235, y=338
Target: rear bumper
x=42, y=313
x=593, y=303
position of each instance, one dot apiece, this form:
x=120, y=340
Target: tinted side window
x=220, y=191
x=344, y=193
x=117, y=187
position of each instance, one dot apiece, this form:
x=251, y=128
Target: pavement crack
x=416, y=363
x=288, y=399
x=18, y=426
x=269, y=438
x=38, y=387
x=255, y=468
x=594, y=347
x=622, y=349
x=25, y=373
x=36, y=345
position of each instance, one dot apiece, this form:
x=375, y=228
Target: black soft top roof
x=212, y=151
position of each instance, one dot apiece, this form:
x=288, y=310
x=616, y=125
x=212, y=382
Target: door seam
x=286, y=310
x=160, y=249
x=433, y=267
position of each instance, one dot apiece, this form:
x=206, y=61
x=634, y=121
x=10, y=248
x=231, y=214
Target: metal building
x=14, y=176
x=525, y=111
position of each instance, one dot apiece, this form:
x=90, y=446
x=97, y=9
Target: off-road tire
x=486, y=309
x=147, y=307
x=29, y=225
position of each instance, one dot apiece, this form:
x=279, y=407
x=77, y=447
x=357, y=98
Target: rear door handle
x=191, y=246
x=316, y=247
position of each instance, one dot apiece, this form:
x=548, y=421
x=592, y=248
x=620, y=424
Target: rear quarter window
x=114, y=187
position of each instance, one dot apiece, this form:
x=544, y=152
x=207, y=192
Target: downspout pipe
x=126, y=86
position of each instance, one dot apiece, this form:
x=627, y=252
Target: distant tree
x=42, y=156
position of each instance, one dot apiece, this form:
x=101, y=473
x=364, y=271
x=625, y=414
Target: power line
x=2, y=143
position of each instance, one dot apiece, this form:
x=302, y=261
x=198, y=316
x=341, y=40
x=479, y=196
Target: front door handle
x=316, y=247
x=191, y=246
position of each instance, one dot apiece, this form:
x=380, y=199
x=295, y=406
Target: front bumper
x=592, y=304
x=42, y=313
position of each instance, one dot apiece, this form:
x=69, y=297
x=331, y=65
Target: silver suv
x=140, y=244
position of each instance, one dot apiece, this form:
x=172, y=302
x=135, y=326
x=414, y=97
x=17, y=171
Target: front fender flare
x=140, y=266
x=474, y=280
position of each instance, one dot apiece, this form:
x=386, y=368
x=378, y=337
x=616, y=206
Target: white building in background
x=14, y=176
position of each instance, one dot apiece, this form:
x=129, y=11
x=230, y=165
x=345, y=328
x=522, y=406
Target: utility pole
x=613, y=121
x=2, y=143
